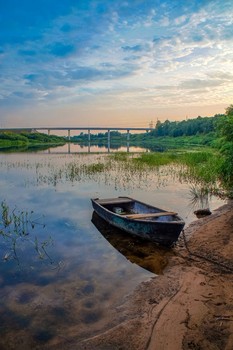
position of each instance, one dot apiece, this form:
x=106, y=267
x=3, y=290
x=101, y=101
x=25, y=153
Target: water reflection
x=88, y=147
x=42, y=307
x=29, y=148
x=74, y=148
x=143, y=253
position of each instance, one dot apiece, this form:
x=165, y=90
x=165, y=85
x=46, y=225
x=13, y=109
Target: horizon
x=110, y=62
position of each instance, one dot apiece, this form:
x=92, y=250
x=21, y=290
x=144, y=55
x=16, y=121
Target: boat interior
x=132, y=209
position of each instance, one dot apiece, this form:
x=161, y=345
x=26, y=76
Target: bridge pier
x=89, y=135
x=69, y=134
x=48, y=131
x=128, y=134
x=109, y=135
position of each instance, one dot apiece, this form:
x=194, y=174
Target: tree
x=229, y=110
x=226, y=132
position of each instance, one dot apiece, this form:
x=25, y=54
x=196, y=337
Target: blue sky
x=114, y=63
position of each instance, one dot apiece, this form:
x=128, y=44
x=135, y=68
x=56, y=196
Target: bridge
x=86, y=128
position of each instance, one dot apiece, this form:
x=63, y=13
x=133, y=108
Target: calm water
x=90, y=148
x=62, y=280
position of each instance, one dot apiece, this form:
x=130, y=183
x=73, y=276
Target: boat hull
x=161, y=232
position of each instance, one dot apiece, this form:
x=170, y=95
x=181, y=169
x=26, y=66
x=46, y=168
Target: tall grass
x=202, y=167
x=156, y=159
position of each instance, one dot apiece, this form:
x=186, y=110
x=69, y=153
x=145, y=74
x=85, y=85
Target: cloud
x=221, y=75
x=138, y=51
x=200, y=83
x=69, y=85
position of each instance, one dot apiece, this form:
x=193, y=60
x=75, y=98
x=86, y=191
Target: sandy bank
x=190, y=306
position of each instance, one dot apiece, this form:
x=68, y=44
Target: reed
x=203, y=167
x=200, y=166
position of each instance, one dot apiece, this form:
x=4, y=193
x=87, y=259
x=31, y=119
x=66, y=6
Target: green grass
x=156, y=159
x=196, y=158
x=203, y=166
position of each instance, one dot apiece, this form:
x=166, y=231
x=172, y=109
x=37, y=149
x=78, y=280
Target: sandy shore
x=190, y=306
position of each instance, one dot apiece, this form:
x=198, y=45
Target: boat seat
x=149, y=215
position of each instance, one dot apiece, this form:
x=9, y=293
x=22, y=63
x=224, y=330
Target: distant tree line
x=189, y=127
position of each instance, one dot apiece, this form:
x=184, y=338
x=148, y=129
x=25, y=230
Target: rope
x=212, y=261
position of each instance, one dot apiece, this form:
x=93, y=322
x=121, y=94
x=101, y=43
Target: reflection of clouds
x=79, y=297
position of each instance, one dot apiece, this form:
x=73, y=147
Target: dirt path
x=190, y=307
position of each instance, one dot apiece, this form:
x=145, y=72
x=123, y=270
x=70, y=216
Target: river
x=61, y=279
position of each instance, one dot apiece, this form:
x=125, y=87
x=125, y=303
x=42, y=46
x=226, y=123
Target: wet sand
x=190, y=306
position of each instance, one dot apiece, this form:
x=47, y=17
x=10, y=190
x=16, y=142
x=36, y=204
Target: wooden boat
x=140, y=219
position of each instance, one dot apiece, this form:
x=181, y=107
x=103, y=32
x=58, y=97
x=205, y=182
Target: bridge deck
x=76, y=128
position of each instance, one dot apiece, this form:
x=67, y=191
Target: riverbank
x=190, y=306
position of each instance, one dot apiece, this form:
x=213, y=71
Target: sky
x=114, y=62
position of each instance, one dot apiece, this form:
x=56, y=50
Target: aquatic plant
x=16, y=229
x=120, y=156
x=199, y=196
x=95, y=168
